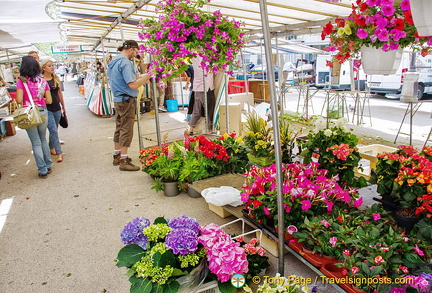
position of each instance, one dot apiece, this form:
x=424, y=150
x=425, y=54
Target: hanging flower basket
x=377, y=61
x=421, y=11
x=182, y=30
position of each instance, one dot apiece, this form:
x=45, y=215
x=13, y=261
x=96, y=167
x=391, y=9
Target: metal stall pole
x=226, y=104
x=276, y=134
x=181, y=93
x=205, y=101
x=155, y=100
x=281, y=101
x=246, y=80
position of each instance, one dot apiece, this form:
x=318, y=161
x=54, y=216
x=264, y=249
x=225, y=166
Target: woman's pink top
x=37, y=90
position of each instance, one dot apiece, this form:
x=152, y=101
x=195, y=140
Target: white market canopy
x=87, y=23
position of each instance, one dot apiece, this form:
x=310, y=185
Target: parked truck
x=338, y=77
x=391, y=85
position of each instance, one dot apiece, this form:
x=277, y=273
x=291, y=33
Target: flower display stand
x=233, y=180
x=209, y=287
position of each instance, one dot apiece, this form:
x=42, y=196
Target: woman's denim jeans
x=53, y=123
x=39, y=143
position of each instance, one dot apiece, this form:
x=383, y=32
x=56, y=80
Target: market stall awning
x=86, y=23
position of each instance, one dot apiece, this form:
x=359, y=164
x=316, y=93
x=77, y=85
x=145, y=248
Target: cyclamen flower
x=133, y=232
x=182, y=241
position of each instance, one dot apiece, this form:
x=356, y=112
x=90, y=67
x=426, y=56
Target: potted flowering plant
x=307, y=192
x=258, y=261
x=381, y=24
x=333, y=145
x=171, y=255
x=157, y=254
x=405, y=176
x=180, y=29
x=382, y=251
x=237, y=151
x=259, y=140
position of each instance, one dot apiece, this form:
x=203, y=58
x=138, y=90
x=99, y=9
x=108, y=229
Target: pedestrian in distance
x=125, y=81
x=30, y=74
x=55, y=109
x=201, y=78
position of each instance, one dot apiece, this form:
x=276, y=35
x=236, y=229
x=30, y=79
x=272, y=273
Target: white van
x=392, y=84
x=340, y=78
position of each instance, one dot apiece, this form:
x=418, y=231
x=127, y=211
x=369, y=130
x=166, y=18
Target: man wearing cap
x=125, y=81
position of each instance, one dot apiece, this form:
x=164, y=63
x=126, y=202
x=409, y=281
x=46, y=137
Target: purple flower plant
x=184, y=222
x=182, y=241
x=132, y=232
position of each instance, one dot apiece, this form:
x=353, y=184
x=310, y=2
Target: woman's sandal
x=60, y=159
x=43, y=176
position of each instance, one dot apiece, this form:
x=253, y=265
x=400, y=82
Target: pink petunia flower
x=362, y=33
x=325, y=223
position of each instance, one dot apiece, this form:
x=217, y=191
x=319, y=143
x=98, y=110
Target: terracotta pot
x=332, y=271
x=295, y=245
x=354, y=289
x=317, y=259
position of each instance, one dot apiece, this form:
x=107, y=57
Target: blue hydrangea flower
x=184, y=222
x=132, y=232
x=182, y=241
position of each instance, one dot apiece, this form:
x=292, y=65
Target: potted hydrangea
x=172, y=255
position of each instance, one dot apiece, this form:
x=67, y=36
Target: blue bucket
x=172, y=105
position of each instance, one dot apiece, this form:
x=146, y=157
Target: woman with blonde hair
x=31, y=81
x=55, y=109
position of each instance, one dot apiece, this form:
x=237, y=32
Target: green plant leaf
x=129, y=255
x=160, y=220
x=172, y=286
x=226, y=287
x=140, y=285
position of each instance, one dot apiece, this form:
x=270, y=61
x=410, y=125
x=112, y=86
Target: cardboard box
x=270, y=245
x=369, y=153
x=220, y=211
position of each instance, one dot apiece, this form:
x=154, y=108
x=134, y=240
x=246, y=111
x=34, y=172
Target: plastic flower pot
x=332, y=271
x=171, y=189
x=192, y=192
x=376, y=61
x=406, y=221
x=421, y=11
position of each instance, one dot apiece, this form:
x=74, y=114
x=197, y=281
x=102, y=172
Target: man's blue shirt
x=121, y=72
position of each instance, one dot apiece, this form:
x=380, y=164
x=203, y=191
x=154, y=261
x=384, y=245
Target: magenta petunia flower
x=362, y=33
x=383, y=35
x=405, y=5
